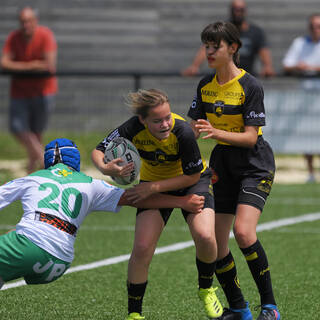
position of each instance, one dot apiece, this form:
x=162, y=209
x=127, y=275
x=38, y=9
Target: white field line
x=179, y=246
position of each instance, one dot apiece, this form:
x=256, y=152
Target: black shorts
x=203, y=188
x=242, y=175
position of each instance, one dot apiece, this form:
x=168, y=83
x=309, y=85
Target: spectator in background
x=303, y=58
x=31, y=48
x=253, y=44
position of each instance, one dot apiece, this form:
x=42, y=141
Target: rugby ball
x=123, y=148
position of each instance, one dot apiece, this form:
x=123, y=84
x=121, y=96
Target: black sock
x=135, y=296
x=205, y=273
x=258, y=264
x=227, y=276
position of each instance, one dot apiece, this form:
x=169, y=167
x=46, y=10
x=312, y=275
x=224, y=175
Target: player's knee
x=205, y=238
x=143, y=250
x=242, y=236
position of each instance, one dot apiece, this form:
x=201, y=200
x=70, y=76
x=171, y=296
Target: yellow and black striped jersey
x=230, y=106
x=161, y=159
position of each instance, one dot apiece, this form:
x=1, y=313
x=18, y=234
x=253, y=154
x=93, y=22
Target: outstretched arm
x=191, y=203
x=12, y=191
x=145, y=189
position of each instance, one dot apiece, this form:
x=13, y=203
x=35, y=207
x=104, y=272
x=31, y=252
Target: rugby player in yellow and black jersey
x=229, y=108
x=171, y=163
x=161, y=159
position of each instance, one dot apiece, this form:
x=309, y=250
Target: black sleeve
x=123, y=130
x=196, y=110
x=189, y=151
x=253, y=108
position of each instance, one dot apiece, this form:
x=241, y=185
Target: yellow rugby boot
x=211, y=302
x=135, y=316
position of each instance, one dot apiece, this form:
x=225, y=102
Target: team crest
x=61, y=173
x=218, y=108
x=160, y=156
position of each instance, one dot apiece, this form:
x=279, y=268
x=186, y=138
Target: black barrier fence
x=95, y=102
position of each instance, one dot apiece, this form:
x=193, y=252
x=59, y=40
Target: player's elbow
x=250, y=136
x=251, y=142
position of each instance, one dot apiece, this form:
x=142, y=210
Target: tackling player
x=229, y=108
x=171, y=162
x=55, y=201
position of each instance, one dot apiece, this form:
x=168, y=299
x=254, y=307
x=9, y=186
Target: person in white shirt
x=55, y=202
x=303, y=59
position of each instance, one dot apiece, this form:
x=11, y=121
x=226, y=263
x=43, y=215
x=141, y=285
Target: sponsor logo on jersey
x=233, y=95
x=193, y=164
x=209, y=93
x=143, y=142
x=253, y=115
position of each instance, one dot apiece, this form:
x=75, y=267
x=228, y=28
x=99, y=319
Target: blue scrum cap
x=62, y=151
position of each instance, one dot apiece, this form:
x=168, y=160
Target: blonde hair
x=142, y=101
